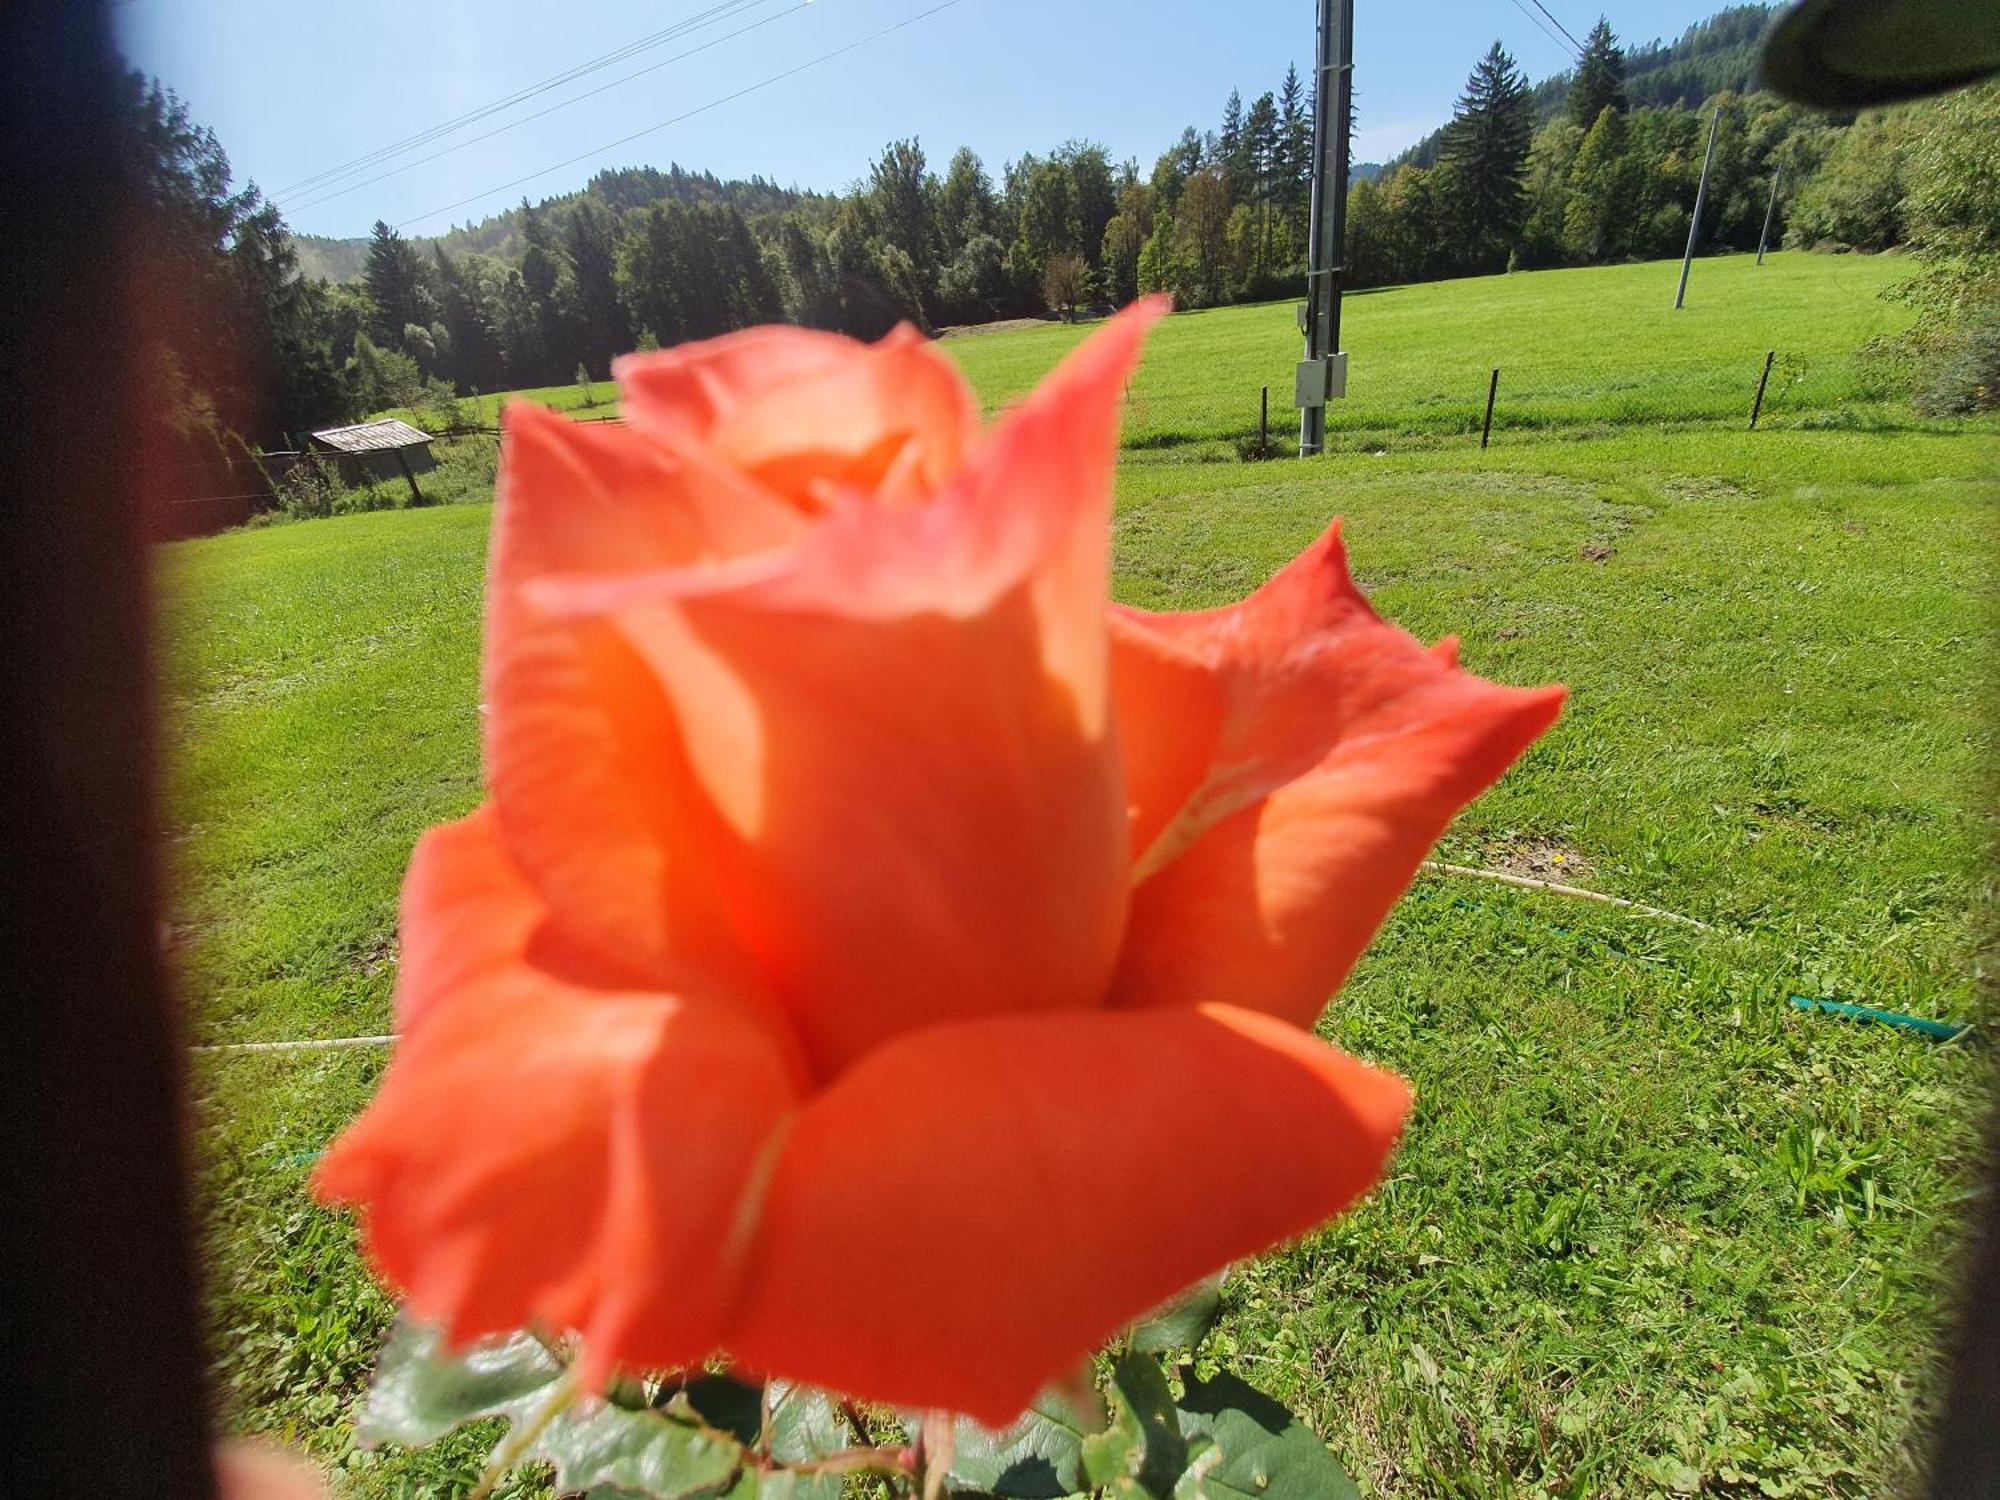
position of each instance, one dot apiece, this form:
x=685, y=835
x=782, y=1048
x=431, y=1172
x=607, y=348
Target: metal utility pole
x=1769, y=209
x=1322, y=375
x=1700, y=197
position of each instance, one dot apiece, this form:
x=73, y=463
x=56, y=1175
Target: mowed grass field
x=1585, y=350
x=1653, y=1230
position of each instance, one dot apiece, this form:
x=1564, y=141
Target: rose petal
x=1029, y=1184
x=1168, y=705
x=904, y=722
x=1344, y=750
x=550, y=1149
x=809, y=414
x=582, y=753
x=262, y=1471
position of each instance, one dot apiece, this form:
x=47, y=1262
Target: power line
x=1558, y=25
x=425, y=137
x=342, y=192
x=1539, y=25
x=598, y=151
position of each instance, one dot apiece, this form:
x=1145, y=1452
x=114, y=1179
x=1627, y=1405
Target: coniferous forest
x=1595, y=165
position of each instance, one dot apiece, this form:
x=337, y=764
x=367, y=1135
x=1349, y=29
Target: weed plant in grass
x=1652, y=1230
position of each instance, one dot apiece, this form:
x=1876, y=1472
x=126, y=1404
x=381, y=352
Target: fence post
x=1757, y=406
x=1492, y=389
x=416, y=495
x=1264, y=424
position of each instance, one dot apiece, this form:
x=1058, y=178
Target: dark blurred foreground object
x=104, y=1360
x=1849, y=54
x=103, y=1335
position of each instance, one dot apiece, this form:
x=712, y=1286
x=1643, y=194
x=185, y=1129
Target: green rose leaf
x=1038, y=1457
x=698, y=1446
x=1182, y=1323
x=421, y=1392
x=1143, y=1452
x=617, y=1454
x=805, y=1426
x=780, y=1484
x=1242, y=1442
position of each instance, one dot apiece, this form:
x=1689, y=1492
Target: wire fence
x=1181, y=411
x=1523, y=399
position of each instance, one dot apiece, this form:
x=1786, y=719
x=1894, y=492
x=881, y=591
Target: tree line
x=644, y=259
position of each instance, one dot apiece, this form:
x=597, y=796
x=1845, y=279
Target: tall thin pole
x=1333, y=99
x=1700, y=197
x=1769, y=209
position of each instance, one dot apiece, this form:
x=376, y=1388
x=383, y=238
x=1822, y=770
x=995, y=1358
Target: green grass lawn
x=1652, y=1230
x=1586, y=349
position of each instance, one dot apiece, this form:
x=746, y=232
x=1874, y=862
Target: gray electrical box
x=1321, y=380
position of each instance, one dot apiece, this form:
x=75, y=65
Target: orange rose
x=256, y=1471
x=878, y=958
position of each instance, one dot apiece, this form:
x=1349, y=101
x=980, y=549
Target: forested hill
x=621, y=190
x=1709, y=57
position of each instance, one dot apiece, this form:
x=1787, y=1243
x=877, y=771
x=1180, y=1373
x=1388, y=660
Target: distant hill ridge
x=1712, y=55
x=621, y=189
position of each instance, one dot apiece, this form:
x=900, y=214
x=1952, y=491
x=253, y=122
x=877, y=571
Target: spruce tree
x=1599, y=81
x=1599, y=206
x=903, y=195
x=540, y=270
x=966, y=206
x=1229, y=153
x=1096, y=194
x=394, y=277
x=602, y=330
x=1295, y=141
x=1485, y=156
x=469, y=322
x=1262, y=153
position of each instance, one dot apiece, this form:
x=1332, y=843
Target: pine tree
x=1599, y=202
x=966, y=206
x=1177, y=163
x=464, y=308
x=394, y=277
x=540, y=271
x=1201, y=239
x=1599, y=81
x=1229, y=153
x=1049, y=225
x=1295, y=138
x=1124, y=238
x=1095, y=192
x=598, y=317
x=649, y=273
x=903, y=197
x=1485, y=156
x=1262, y=153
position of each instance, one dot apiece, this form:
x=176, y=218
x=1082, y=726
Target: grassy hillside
x=1600, y=345
x=1653, y=1229
x=1593, y=348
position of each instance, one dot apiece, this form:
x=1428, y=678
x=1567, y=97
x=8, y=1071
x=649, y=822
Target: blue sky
x=296, y=88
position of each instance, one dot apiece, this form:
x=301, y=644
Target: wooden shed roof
x=365, y=437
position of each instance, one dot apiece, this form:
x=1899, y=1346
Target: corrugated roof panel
x=363, y=437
